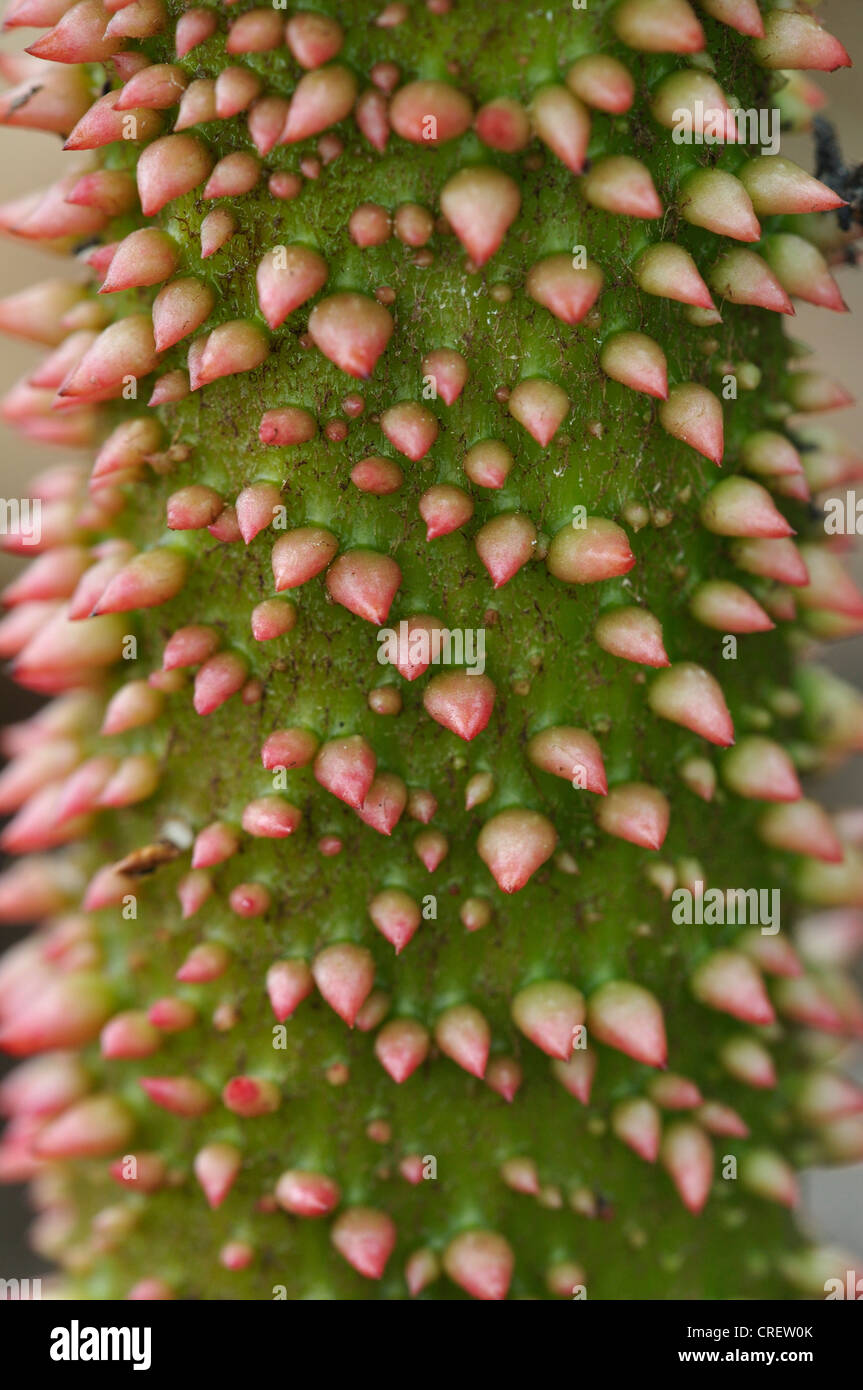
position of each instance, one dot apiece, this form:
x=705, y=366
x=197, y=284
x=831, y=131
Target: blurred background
x=833, y=1198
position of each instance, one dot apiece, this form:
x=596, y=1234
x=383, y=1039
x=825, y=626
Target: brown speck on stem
x=147, y=859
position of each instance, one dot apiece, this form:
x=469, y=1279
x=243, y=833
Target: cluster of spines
x=55, y=651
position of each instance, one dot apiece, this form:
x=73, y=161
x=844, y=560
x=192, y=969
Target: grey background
x=833, y=1206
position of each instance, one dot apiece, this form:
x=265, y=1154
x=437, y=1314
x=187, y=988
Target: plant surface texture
x=423, y=655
